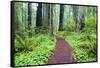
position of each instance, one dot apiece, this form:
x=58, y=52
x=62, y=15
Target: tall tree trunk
x=22, y=18
x=61, y=17
x=75, y=11
x=29, y=17
x=79, y=17
x=18, y=18
x=50, y=19
x=39, y=15
x=34, y=11
x=45, y=15
x=56, y=9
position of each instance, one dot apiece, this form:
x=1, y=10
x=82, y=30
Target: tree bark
x=79, y=17
x=38, y=18
x=45, y=15
x=39, y=15
x=50, y=19
x=61, y=17
x=29, y=17
x=56, y=14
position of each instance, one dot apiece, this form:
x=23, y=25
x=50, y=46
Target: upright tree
x=50, y=19
x=29, y=17
x=56, y=11
x=18, y=17
x=61, y=17
x=39, y=15
x=34, y=13
x=79, y=17
x=45, y=15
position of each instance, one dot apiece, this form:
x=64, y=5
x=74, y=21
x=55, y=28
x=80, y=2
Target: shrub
x=24, y=44
x=40, y=54
x=90, y=22
x=84, y=46
x=70, y=26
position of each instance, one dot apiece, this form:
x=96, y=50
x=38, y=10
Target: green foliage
x=41, y=30
x=63, y=33
x=84, y=47
x=40, y=53
x=70, y=26
x=90, y=24
x=24, y=44
x=89, y=43
x=91, y=21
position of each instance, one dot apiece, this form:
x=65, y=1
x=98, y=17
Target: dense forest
x=37, y=25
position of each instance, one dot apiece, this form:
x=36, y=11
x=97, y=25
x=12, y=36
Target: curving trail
x=62, y=52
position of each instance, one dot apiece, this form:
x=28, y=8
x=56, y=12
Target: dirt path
x=62, y=53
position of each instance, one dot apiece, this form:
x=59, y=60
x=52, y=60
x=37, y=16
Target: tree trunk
x=18, y=17
x=79, y=17
x=45, y=15
x=39, y=15
x=50, y=19
x=61, y=17
x=34, y=11
x=29, y=18
x=56, y=9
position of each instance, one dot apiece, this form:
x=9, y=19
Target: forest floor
x=62, y=52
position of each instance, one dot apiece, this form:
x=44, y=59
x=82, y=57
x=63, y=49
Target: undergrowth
x=36, y=51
